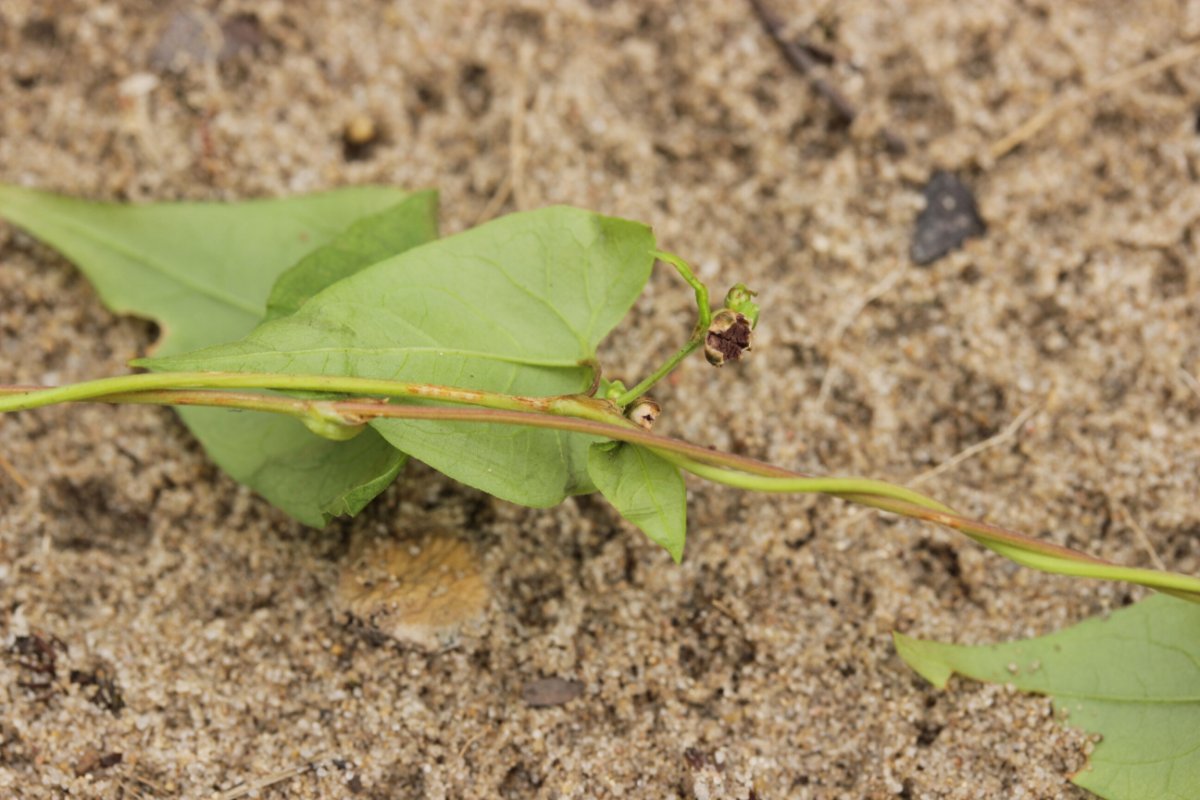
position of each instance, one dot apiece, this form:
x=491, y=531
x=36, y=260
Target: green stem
x=793, y=483
x=704, y=319
x=725, y=468
x=728, y=469
x=658, y=374
x=24, y=398
x=702, y=304
x=236, y=401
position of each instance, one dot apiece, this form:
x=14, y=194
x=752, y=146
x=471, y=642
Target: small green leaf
x=310, y=478
x=646, y=489
x=1134, y=678
x=512, y=306
x=371, y=239
x=204, y=270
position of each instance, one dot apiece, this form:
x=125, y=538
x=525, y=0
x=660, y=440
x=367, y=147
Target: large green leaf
x=512, y=306
x=204, y=271
x=1134, y=678
x=371, y=239
x=311, y=478
x=646, y=489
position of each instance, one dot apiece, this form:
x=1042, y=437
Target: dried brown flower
x=728, y=337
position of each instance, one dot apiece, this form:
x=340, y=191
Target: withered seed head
x=644, y=411
x=728, y=337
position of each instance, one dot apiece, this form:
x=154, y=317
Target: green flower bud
x=611, y=390
x=741, y=300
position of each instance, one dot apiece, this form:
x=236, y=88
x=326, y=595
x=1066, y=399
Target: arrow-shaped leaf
x=515, y=306
x=1134, y=678
x=204, y=271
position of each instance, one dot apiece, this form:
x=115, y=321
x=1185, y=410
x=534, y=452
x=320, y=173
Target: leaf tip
x=923, y=659
x=675, y=549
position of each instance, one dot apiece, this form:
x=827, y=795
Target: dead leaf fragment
x=546, y=692
x=93, y=760
x=708, y=776
x=421, y=592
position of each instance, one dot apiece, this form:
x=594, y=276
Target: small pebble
x=950, y=217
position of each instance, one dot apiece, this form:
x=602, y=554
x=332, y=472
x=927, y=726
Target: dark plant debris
x=100, y=683
x=93, y=760
x=36, y=655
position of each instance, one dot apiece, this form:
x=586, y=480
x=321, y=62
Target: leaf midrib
x=1096, y=698
x=384, y=351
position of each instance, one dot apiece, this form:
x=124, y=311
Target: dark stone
x=475, y=89
x=42, y=31
x=189, y=37
x=950, y=218
x=242, y=33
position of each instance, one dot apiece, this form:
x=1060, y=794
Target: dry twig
x=1010, y=430
x=512, y=185
x=1142, y=536
x=876, y=291
x=270, y=780
x=8, y=469
x=799, y=55
x=1189, y=381
x=1056, y=108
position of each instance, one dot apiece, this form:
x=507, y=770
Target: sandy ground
x=193, y=627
